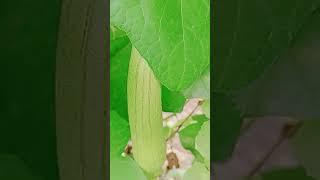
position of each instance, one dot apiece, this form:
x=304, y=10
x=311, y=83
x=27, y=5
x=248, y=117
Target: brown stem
x=183, y=121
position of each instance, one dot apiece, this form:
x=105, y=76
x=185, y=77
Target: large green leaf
x=252, y=35
x=119, y=134
x=120, y=50
x=173, y=36
x=189, y=133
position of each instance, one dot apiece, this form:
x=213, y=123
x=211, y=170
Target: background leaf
x=125, y=168
x=189, y=134
x=173, y=36
x=225, y=126
x=206, y=108
x=119, y=65
x=307, y=148
x=253, y=35
x=200, y=88
x=116, y=33
x=13, y=168
x=172, y=101
x=119, y=134
x=197, y=171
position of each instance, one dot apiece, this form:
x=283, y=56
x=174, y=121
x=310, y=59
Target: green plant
x=159, y=58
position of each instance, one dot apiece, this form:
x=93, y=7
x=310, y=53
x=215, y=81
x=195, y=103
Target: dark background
x=28, y=35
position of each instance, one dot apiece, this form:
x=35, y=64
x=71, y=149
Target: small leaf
x=117, y=45
x=116, y=33
x=189, y=133
x=172, y=101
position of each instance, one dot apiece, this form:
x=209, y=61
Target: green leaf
x=202, y=142
x=200, y=88
x=173, y=36
x=292, y=174
x=119, y=65
x=117, y=45
x=116, y=33
x=198, y=171
x=119, y=134
x=189, y=133
x=172, y=101
x=226, y=124
x=252, y=35
x=118, y=40
x=307, y=148
x=125, y=168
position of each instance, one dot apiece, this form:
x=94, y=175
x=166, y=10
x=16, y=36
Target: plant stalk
x=145, y=116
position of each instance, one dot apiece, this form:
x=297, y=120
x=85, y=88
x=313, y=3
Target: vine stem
x=177, y=129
